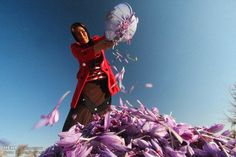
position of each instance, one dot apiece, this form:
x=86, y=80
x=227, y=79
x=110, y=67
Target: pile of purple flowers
x=137, y=132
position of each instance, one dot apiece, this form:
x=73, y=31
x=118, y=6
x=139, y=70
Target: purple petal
x=169, y=121
x=226, y=133
x=69, y=140
x=212, y=148
x=41, y=123
x=141, y=143
x=190, y=150
x=107, y=121
x=148, y=85
x=107, y=153
x=152, y=114
x=159, y=131
x=62, y=98
x=200, y=152
x=156, y=147
x=216, y=128
x=52, y=117
x=146, y=154
x=174, y=153
x=110, y=138
x=83, y=151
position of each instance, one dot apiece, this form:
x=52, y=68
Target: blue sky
x=186, y=48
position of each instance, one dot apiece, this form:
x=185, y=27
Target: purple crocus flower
x=174, y=153
x=213, y=149
x=131, y=132
x=105, y=152
x=141, y=143
x=52, y=117
x=169, y=121
x=226, y=133
x=107, y=121
x=216, y=128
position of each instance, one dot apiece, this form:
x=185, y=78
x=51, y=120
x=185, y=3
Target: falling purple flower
x=52, y=117
x=148, y=85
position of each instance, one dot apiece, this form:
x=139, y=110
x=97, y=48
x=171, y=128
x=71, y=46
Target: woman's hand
x=103, y=45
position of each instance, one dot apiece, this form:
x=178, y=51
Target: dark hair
x=78, y=24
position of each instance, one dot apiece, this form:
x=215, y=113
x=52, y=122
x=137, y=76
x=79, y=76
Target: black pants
x=95, y=98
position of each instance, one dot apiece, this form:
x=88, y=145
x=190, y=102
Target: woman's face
x=81, y=35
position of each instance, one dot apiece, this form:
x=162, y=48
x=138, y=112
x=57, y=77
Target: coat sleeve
x=83, y=54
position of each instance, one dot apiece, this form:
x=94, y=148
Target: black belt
x=92, y=107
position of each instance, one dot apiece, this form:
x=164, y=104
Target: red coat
x=85, y=56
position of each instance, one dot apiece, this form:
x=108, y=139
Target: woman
x=96, y=82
